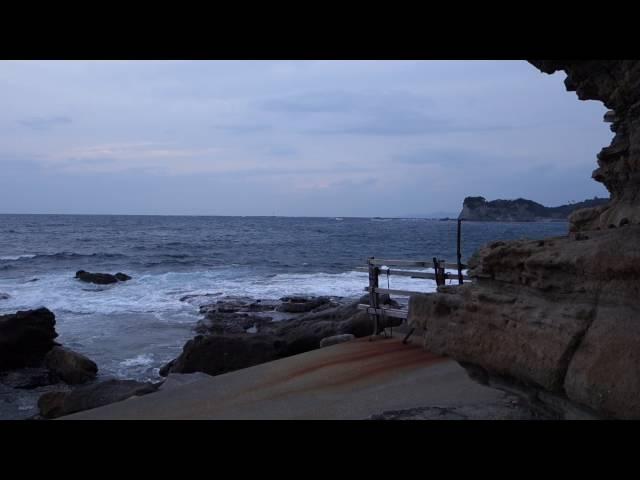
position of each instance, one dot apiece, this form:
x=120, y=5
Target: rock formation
x=31, y=362
x=616, y=83
x=57, y=404
x=69, y=366
x=240, y=332
x=520, y=210
x=101, y=278
x=558, y=320
x=25, y=338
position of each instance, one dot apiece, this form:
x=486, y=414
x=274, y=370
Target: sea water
x=132, y=328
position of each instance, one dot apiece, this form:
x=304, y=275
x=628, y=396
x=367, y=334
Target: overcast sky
x=316, y=138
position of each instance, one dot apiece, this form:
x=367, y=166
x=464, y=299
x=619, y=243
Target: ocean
x=130, y=329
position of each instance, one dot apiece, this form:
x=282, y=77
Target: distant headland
x=520, y=210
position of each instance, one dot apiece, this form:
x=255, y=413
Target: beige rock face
x=616, y=83
x=560, y=316
x=558, y=320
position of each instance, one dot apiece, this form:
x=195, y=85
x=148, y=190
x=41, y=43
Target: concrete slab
x=352, y=380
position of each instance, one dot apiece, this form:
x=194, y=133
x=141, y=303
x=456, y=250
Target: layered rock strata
x=558, y=320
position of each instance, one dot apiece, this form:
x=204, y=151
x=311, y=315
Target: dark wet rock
x=4, y=296
x=69, y=366
x=224, y=345
x=336, y=339
x=27, y=378
x=26, y=337
x=199, y=295
x=216, y=354
x=301, y=304
x=101, y=278
x=57, y=404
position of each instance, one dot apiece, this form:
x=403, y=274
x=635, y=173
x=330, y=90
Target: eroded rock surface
x=616, y=83
x=241, y=332
x=557, y=321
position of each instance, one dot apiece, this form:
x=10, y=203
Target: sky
x=290, y=138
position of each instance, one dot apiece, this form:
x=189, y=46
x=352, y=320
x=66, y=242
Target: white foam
x=142, y=360
x=17, y=257
x=159, y=294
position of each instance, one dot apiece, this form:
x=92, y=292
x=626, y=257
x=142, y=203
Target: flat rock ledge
x=511, y=408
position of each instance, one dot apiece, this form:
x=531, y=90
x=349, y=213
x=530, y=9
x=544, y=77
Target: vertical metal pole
x=460, y=281
x=373, y=295
x=439, y=272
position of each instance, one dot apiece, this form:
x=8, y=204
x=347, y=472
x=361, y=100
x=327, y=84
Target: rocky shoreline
x=234, y=333
x=240, y=332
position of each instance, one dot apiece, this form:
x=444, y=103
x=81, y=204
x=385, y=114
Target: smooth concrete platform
x=352, y=380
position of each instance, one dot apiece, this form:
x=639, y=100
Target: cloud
x=314, y=102
x=381, y=114
x=44, y=123
x=447, y=157
x=247, y=128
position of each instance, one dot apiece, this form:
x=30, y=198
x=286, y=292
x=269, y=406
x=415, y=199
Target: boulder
x=4, y=296
x=216, y=354
x=101, y=278
x=57, y=404
x=26, y=337
x=328, y=341
x=69, y=366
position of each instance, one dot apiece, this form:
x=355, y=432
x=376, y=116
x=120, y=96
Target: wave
x=61, y=256
x=18, y=257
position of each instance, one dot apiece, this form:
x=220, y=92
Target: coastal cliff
x=520, y=210
x=558, y=320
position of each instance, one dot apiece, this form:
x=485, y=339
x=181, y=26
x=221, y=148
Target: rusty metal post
x=373, y=295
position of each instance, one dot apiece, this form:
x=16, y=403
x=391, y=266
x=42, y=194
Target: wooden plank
x=413, y=274
x=392, y=291
x=389, y=312
x=413, y=263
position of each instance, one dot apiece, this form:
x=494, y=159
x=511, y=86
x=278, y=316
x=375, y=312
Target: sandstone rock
x=175, y=380
x=617, y=84
x=101, y=278
x=328, y=341
x=57, y=404
x=26, y=337
x=508, y=408
x=71, y=367
x=557, y=322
